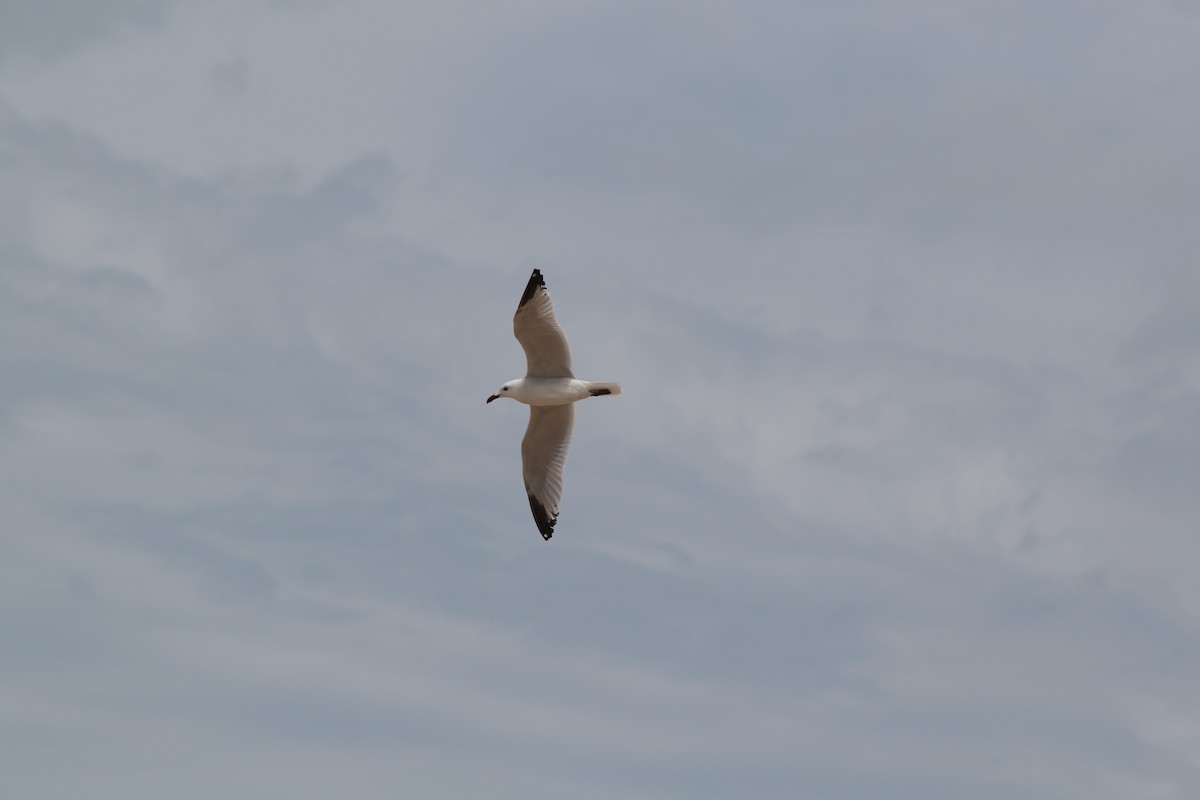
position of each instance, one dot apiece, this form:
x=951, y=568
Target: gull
x=550, y=389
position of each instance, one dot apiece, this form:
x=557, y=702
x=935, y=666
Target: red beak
x=492, y=397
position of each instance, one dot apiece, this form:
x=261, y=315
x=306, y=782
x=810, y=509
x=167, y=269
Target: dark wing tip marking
x=536, y=281
x=600, y=392
x=545, y=522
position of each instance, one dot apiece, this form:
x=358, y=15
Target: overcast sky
x=900, y=500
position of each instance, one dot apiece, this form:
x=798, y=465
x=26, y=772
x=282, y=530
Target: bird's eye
x=504, y=389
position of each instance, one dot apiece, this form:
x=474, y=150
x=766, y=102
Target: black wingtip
x=545, y=522
x=536, y=281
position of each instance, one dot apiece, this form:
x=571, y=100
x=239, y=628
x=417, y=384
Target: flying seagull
x=550, y=389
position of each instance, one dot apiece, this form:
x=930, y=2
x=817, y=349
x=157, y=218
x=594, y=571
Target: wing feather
x=546, y=351
x=543, y=455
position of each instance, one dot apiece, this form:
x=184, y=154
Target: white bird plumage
x=550, y=389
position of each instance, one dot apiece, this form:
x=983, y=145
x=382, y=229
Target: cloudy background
x=900, y=500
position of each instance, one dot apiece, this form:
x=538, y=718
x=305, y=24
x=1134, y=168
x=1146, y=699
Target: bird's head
x=505, y=391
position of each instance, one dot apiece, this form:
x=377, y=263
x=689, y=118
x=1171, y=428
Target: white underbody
x=552, y=391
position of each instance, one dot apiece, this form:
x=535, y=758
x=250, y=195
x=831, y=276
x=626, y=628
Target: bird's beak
x=492, y=397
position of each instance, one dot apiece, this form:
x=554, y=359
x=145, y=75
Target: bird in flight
x=550, y=389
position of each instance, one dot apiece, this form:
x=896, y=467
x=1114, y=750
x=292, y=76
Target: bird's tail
x=598, y=388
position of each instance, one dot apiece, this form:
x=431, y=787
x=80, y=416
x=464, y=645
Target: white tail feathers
x=598, y=388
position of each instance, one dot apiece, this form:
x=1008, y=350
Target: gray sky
x=899, y=500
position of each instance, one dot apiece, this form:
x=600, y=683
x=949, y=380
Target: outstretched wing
x=544, y=342
x=543, y=454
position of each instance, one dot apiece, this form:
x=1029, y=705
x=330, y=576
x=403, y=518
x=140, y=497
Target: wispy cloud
x=896, y=501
